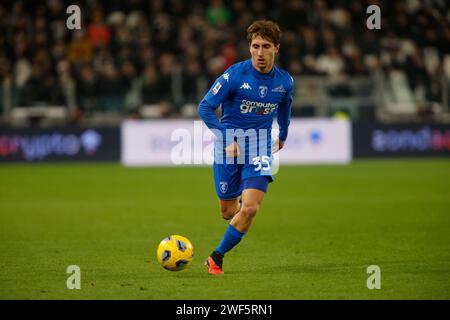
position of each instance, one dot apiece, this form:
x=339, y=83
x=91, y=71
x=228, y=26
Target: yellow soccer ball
x=175, y=253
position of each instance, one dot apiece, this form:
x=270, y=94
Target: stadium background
x=66, y=96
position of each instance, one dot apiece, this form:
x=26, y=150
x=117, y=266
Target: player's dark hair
x=266, y=29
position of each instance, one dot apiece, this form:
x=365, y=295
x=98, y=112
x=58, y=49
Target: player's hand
x=277, y=146
x=232, y=150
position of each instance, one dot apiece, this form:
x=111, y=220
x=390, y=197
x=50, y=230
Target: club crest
x=223, y=186
x=262, y=91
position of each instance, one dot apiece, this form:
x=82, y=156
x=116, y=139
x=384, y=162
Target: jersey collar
x=260, y=74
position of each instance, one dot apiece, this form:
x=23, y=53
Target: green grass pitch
x=318, y=230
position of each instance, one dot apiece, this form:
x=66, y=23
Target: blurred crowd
x=153, y=52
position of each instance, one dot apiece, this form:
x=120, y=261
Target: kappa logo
x=280, y=88
x=262, y=90
x=216, y=88
x=223, y=186
x=226, y=76
x=245, y=85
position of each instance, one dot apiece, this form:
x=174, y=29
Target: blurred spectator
x=330, y=63
x=87, y=90
x=131, y=99
x=99, y=33
x=42, y=89
x=111, y=89
x=218, y=14
x=293, y=14
x=191, y=74
x=309, y=42
x=80, y=50
x=166, y=83
x=229, y=54
x=295, y=67
x=150, y=86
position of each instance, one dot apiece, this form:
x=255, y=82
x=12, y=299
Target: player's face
x=263, y=54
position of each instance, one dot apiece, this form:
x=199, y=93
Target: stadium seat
x=399, y=97
x=189, y=110
x=150, y=111
x=50, y=115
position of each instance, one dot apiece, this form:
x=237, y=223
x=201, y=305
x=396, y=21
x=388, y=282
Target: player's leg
x=227, y=178
x=252, y=196
x=229, y=207
x=251, y=201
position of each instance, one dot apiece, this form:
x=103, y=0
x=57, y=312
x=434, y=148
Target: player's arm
x=207, y=113
x=219, y=93
x=284, y=118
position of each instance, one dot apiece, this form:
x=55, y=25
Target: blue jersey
x=250, y=99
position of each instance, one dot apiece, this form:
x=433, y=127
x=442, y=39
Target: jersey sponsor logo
x=223, y=186
x=246, y=86
x=259, y=108
x=280, y=88
x=262, y=90
x=216, y=88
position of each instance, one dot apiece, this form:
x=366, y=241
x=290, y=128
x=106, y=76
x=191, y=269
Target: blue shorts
x=231, y=179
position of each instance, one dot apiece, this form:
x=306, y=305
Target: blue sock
x=231, y=238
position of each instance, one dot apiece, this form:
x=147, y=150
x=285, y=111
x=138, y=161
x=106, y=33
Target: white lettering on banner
x=410, y=140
